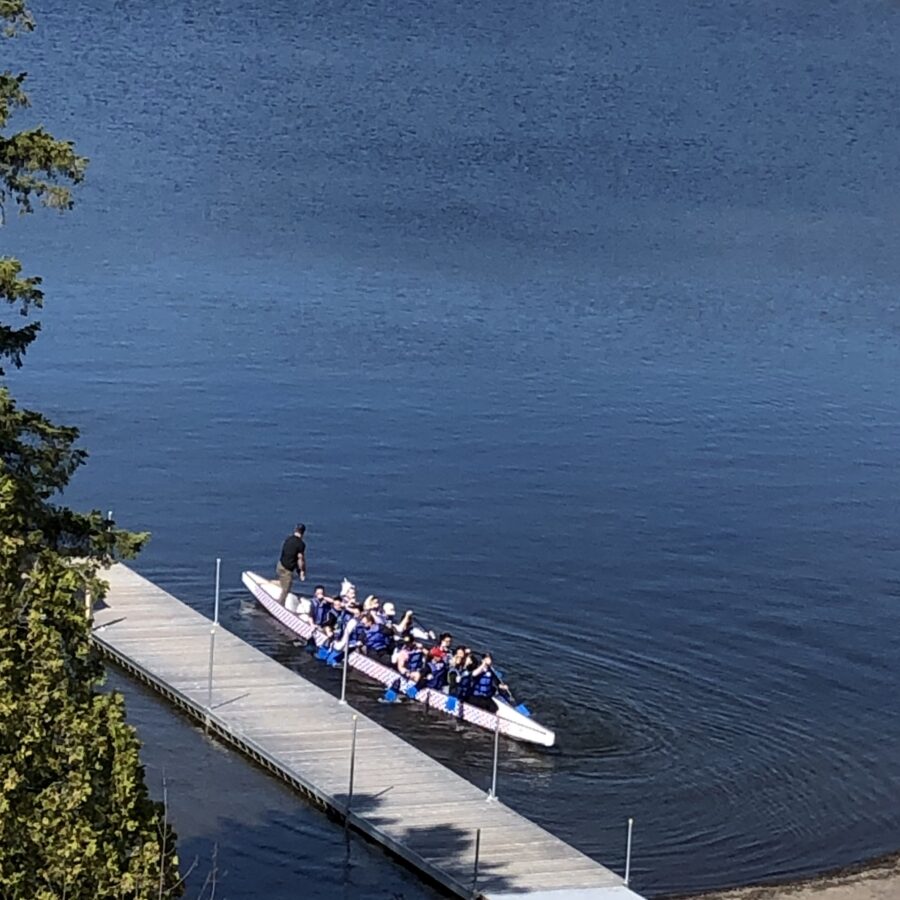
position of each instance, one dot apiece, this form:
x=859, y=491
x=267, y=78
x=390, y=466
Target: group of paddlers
x=373, y=628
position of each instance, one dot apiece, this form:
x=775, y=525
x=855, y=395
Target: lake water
x=576, y=327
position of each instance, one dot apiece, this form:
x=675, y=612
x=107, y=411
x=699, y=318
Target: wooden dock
x=401, y=798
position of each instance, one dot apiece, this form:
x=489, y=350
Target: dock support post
x=343, y=700
x=212, y=637
x=628, y=852
x=352, y=771
x=492, y=793
x=477, y=855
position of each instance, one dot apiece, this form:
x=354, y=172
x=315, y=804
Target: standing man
x=293, y=559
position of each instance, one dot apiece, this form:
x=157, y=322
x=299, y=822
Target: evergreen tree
x=76, y=820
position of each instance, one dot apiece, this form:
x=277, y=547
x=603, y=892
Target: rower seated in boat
x=377, y=639
x=384, y=615
x=329, y=616
x=485, y=684
x=410, y=660
x=348, y=591
x=388, y=616
x=442, y=647
x=371, y=604
x=340, y=623
x=352, y=634
x=459, y=673
x=319, y=606
x=437, y=668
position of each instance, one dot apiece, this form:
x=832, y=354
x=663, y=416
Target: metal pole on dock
x=628, y=851
x=492, y=793
x=343, y=699
x=352, y=770
x=212, y=637
x=218, y=578
x=110, y=537
x=477, y=855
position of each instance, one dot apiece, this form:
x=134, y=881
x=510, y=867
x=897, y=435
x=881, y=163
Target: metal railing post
x=628, y=852
x=212, y=637
x=110, y=537
x=343, y=699
x=492, y=793
x=218, y=580
x=352, y=772
x=477, y=855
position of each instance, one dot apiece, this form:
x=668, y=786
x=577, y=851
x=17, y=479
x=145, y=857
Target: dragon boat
x=512, y=721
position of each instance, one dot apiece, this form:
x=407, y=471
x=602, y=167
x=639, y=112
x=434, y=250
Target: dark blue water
x=577, y=327
x=242, y=833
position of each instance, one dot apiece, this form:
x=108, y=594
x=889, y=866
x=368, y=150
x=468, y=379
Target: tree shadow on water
x=448, y=850
x=285, y=856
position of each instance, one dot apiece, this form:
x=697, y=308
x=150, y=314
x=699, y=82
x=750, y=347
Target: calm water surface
x=576, y=327
x=242, y=833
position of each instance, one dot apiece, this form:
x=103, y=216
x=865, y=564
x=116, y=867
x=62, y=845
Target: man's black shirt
x=292, y=546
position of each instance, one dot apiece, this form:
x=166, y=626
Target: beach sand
x=877, y=880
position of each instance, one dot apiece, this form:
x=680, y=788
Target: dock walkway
x=401, y=798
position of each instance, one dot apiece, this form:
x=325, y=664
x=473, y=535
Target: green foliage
x=16, y=16
x=76, y=820
x=33, y=165
x=21, y=294
x=75, y=817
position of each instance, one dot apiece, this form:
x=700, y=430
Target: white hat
x=388, y=609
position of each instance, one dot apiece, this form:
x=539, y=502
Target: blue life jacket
x=321, y=610
x=463, y=685
x=340, y=622
x=358, y=634
x=415, y=660
x=376, y=638
x=483, y=685
x=437, y=673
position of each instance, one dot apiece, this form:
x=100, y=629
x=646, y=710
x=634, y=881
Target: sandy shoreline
x=875, y=880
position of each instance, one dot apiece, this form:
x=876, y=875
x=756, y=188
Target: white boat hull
x=294, y=615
